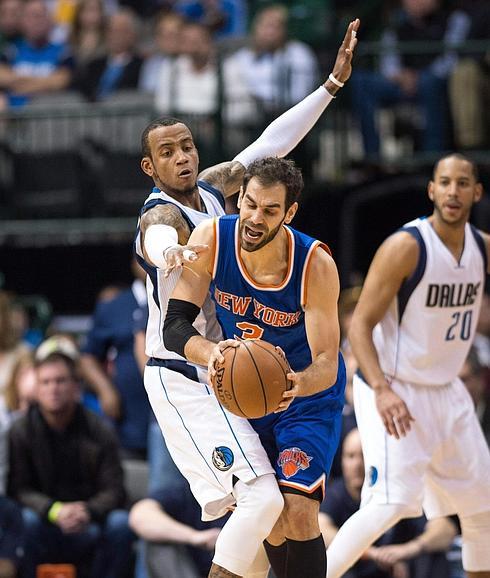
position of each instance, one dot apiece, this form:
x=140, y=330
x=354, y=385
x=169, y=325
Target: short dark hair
x=461, y=157
x=57, y=357
x=157, y=123
x=273, y=170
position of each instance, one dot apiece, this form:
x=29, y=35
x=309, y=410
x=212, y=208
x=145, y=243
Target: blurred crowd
x=429, y=61
x=86, y=480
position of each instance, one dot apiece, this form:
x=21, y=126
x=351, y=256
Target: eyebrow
x=269, y=206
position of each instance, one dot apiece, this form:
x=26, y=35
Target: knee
x=263, y=498
x=476, y=537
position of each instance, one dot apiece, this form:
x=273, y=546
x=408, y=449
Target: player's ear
x=478, y=192
x=147, y=166
x=430, y=190
x=290, y=213
x=240, y=195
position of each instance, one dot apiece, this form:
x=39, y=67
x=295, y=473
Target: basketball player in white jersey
x=411, y=332
x=218, y=453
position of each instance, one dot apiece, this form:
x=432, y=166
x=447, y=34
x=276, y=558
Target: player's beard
x=251, y=247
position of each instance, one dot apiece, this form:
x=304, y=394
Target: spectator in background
x=168, y=45
x=11, y=346
x=10, y=22
x=279, y=72
x=87, y=36
x=415, y=540
x=120, y=68
x=34, y=65
x=21, y=387
x=224, y=18
x=473, y=376
x=122, y=395
x=191, y=84
x=178, y=543
x=11, y=530
x=66, y=473
x=419, y=78
x=470, y=84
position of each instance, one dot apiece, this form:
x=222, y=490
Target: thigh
x=458, y=480
x=306, y=438
x=394, y=468
x=210, y=446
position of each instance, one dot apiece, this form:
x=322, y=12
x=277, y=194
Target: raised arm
x=286, y=131
x=394, y=262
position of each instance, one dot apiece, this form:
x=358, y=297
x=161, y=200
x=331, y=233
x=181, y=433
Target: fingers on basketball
x=252, y=379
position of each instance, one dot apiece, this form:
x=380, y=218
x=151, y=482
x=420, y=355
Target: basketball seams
x=264, y=394
x=232, y=368
x=286, y=364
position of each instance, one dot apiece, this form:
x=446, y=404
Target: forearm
x=152, y=523
x=319, y=376
x=437, y=535
x=286, y=131
x=198, y=350
x=92, y=372
x=361, y=340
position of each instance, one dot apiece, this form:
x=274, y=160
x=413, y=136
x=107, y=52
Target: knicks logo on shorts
x=292, y=460
x=223, y=458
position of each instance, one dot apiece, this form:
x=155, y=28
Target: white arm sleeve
x=158, y=238
x=286, y=131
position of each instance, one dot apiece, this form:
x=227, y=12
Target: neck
x=191, y=199
x=452, y=235
x=265, y=261
x=58, y=420
x=354, y=492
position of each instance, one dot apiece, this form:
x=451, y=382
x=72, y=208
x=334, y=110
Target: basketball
x=251, y=380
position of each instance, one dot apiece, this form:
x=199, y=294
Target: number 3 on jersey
x=249, y=330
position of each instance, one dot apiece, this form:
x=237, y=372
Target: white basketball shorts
x=209, y=445
x=442, y=465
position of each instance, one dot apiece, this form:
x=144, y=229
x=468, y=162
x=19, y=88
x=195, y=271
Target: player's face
x=454, y=190
x=56, y=391
x=174, y=160
x=262, y=214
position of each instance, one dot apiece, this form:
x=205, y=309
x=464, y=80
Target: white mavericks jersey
x=160, y=289
x=428, y=329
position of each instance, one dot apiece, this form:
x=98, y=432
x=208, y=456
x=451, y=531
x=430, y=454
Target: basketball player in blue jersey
x=271, y=282
x=219, y=454
x=411, y=332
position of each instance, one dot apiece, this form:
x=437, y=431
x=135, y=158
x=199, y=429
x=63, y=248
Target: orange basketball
x=251, y=380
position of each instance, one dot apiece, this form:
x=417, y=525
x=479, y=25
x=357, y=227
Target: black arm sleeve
x=178, y=329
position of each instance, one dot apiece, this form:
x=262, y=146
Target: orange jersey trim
x=306, y=489
x=214, y=262
x=306, y=269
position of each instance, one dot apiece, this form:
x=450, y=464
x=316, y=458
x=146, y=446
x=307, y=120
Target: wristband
x=159, y=238
x=332, y=78
x=54, y=511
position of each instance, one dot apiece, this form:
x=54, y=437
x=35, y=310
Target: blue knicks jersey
x=246, y=309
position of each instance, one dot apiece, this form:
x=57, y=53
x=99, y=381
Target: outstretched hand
x=342, y=68
x=176, y=256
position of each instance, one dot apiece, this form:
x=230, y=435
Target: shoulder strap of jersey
x=481, y=245
x=409, y=285
x=213, y=191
